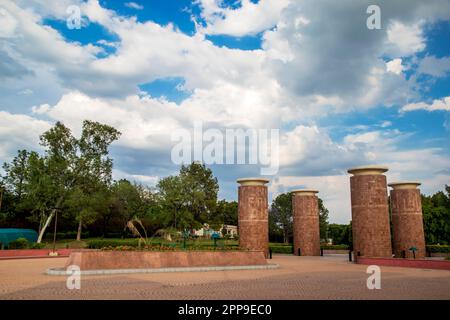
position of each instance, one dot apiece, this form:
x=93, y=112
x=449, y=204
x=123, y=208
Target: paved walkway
x=330, y=277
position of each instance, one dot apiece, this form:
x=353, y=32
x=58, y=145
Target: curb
x=63, y=272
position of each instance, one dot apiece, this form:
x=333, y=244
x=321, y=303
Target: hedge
x=104, y=243
x=435, y=248
x=281, y=249
x=335, y=247
x=19, y=243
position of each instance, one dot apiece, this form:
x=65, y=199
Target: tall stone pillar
x=370, y=212
x=253, y=215
x=407, y=220
x=305, y=207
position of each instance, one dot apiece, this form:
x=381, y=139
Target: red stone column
x=370, y=212
x=253, y=214
x=407, y=220
x=305, y=208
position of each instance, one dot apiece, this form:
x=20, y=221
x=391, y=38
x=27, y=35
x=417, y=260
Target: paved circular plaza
x=329, y=277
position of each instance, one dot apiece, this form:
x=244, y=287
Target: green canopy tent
x=9, y=234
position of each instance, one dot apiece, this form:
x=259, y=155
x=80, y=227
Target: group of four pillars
x=371, y=218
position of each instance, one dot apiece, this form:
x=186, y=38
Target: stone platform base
x=120, y=260
x=63, y=272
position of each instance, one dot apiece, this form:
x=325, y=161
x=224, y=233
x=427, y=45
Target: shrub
x=334, y=247
x=103, y=243
x=19, y=243
x=435, y=248
x=281, y=249
x=37, y=246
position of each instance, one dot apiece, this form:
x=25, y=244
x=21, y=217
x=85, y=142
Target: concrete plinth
x=305, y=207
x=253, y=216
x=370, y=212
x=407, y=220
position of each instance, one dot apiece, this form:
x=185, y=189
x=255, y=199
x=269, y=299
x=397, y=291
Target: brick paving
x=330, y=277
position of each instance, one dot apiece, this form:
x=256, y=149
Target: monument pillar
x=253, y=215
x=305, y=207
x=370, y=212
x=407, y=220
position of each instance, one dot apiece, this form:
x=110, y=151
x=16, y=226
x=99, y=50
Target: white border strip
x=62, y=272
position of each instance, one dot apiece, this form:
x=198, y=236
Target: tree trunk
x=285, y=236
x=49, y=219
x=80, y=225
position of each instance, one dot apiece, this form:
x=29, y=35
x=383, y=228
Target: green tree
x=226, y=213
x=323, y=220
x=436, y=216
x=174, y=212
x=199, y=189
x=281, y=214
x=189, y=199
x=72, y=163
x=280, y=217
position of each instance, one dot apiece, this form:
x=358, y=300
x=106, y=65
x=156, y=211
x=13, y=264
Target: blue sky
x=340, y=94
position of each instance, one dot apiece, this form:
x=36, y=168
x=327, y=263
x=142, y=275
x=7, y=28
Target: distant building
x=224, y=230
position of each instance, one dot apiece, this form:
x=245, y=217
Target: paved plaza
x=329, y=277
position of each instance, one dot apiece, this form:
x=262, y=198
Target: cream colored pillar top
x=404, y=185
x=252, y=181
x=368, y=170
x=305, y=192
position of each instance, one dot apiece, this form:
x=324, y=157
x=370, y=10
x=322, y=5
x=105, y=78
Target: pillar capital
x=368, y=170
x=304, y=192
x=252, y=181
x=404, y=185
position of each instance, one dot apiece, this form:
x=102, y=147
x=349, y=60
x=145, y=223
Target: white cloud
x=18, y=131
x=438, y=104
x=134, y=5
x=249, y=19
x=394, y=66
x=405, y=40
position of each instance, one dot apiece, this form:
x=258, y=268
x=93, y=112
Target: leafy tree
x=281, y=212
x=174, y=213
x=16, y=174
x=436, y=216
x=323, y=220
x=189, y=199
x=70, y=163
x=199, y=189
x=226, y=213
x=281, y=220
x=340, y=233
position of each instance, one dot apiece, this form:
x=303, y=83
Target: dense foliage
x=281, y=220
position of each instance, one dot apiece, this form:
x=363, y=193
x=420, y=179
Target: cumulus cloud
x=18, y=131
x=405, y=40
x=394, y=66
x=249, y=18
x=437, y=104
